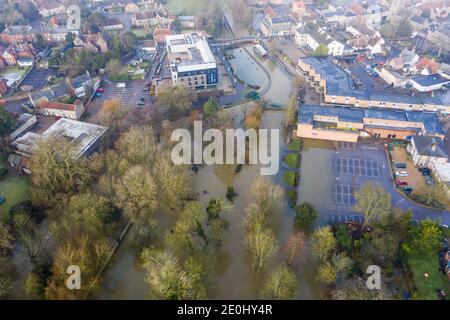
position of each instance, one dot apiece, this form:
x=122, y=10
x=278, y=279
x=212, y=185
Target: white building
x=311, y=39
x=83, y=137
x=64, y=110
x=427, y=83
x=192, y=62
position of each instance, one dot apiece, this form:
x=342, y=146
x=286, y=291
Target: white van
x=121, y=85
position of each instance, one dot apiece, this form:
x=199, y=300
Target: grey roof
x=340, y=83
x=356, y=115
x=424, y=146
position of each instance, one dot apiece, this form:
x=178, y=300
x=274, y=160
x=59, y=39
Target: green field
x=14, y=189
x=426, y=286
x=186, y=7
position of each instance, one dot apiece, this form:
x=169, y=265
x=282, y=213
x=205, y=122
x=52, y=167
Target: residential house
x=64, y=110
x=364, y=37
x=427, y=149
x=131, y=8
x=427, y=66
x=313, y=36
x=83, y=85
x=159, y=35
x=149, y=45
x=418, y=22
x=405, y=61
x=93, y=42
x=276, y=26
x=25, y=61
x=24, y=51
x=49, y=8
x=112, y=24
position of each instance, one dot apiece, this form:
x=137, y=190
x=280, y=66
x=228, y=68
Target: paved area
x=350, y=166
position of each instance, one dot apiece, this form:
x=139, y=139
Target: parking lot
x=129, y=96
x=333, y=171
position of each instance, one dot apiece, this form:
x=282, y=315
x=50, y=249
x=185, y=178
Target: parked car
x=140, y=103
x=2, y=199
x=400, y=165
x=101, y=90
x=424, y=169
x=408, y=189
x=401, y=183
x=401, y=173
x=98, y=94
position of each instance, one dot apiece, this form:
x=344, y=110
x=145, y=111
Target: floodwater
x=125, y=280
x=275, y=85
x=316, y=175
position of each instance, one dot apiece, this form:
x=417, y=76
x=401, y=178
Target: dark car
x=424, y=170
x=400, y=165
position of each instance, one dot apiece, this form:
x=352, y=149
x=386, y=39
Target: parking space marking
x=359, y=167
x=342, y=194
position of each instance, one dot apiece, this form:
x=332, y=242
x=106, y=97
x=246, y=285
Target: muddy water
x=254, y=70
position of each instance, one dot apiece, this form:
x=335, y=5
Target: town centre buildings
x=337, y=87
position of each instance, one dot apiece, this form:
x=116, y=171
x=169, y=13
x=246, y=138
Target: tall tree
x=210, y=108
x=323, y=244
x=168, y=278
x=176, y=100
x=281, y=284
x=137, y=195
x=7, y=123
x=90, y=255
x=138, y=146
x=372, y=201
x=31, y=236
x=174, y=182
x=261, y=244
x=294, y=247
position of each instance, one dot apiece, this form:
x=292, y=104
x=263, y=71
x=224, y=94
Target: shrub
x=305, y=216
x=230, y=193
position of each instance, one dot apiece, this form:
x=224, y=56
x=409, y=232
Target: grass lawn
x=186, y=6
x=292, y=160
x=14, y=189
x=289, y=178
x=426, y=287
x=295, y=145
x=142, y=33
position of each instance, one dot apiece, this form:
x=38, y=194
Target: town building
x=276, y=26
x=112, y=25
x=425, y=150
x=313, y=37
x=49, y=8
x=340, y=123
x=337, y=87
x=428, y=83
x=192, y=62
x=82, y=137
x=60, y=109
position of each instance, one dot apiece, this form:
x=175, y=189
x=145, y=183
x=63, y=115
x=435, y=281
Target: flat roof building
x=192, y=62
x=341, y=123
x=337, y=87
x=81, y=136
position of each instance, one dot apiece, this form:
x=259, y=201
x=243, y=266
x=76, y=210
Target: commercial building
x=59, y=109
x=340, y=123
x=82, y=137
x=337, y=87
x=425, y=150
x=192, y=62
x=427, y=83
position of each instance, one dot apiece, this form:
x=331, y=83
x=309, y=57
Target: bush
x=230, y=193
x=290, y=178
x=305, y=216
x=292, y=160
x=3, y=172
x=343, y=239
x=27, y=208
x=295, y=145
